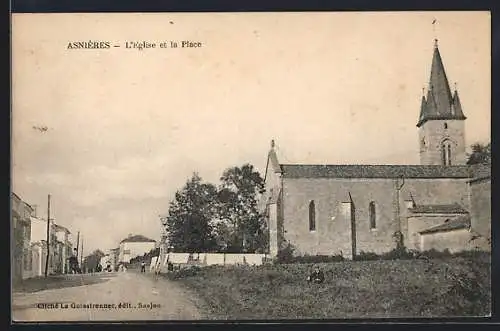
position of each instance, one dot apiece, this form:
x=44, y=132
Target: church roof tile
x=374, y=171
x=460, y=222
x=439, y=209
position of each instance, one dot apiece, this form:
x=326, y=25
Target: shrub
x=185, y=272
x=367, y=256
x=434, y=254
x=395, y=254
x=285, y=255
x=398, y=254
x=406, y=254
x=317, y=259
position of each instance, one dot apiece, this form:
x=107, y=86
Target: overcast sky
x=127, y=128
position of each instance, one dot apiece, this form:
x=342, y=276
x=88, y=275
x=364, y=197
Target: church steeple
x=441, y=122
x=423, y=105
x=457, y=106
x=440, y=103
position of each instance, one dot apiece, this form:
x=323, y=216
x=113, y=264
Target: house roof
x=18, y=200
x=61, y=228
x=374, y=171
x=439, y=209
x=137, y=238
x=440, y=104
x=460, y=222
x=15, y=196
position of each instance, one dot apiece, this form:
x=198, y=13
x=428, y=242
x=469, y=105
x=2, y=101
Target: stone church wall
x=434, y=133
x=453, y=241
x=333, y=230
x=481, y=207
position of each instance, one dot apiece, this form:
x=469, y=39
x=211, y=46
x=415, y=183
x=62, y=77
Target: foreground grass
x=375, y=289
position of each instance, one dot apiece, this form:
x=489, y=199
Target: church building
x=348, y=209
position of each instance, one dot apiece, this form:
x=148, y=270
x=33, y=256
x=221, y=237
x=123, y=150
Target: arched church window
x=312, y=216
x=446, y=152
x=372, y=215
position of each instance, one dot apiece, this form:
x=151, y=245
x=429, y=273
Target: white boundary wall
x=214, y=258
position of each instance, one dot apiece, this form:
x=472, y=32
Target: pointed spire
x=423, y=105
x=272, y=158
x=439, y=82
x=440, y=102
x=457, y=106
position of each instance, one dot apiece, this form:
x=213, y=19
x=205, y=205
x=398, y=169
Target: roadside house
x=135, y=245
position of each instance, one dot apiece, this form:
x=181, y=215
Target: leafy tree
x=481, y=154
x=91, y=261
x=188, y=221
x=242, y=227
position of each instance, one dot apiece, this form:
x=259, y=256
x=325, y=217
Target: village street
x=135, y=297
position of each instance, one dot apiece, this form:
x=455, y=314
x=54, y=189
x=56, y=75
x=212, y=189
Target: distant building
x=61, y=247
x=442, y=203
x=135, y=245
x=39, y=246
x=21, y=262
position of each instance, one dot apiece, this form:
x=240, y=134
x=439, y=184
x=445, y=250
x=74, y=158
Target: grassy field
x=353, y=289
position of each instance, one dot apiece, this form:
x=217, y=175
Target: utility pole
x=77, y=243
x=81, y=256
x=398, y=235
x=48, y=237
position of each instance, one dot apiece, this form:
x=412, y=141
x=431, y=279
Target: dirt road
x=119, y=297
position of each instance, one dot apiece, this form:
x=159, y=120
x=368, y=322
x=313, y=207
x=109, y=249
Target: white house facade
x=133, y=246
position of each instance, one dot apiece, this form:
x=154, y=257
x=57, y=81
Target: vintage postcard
x=250, y=166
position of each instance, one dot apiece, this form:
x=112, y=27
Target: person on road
x=143, y=267
x=317, y=276
x=73, y=262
